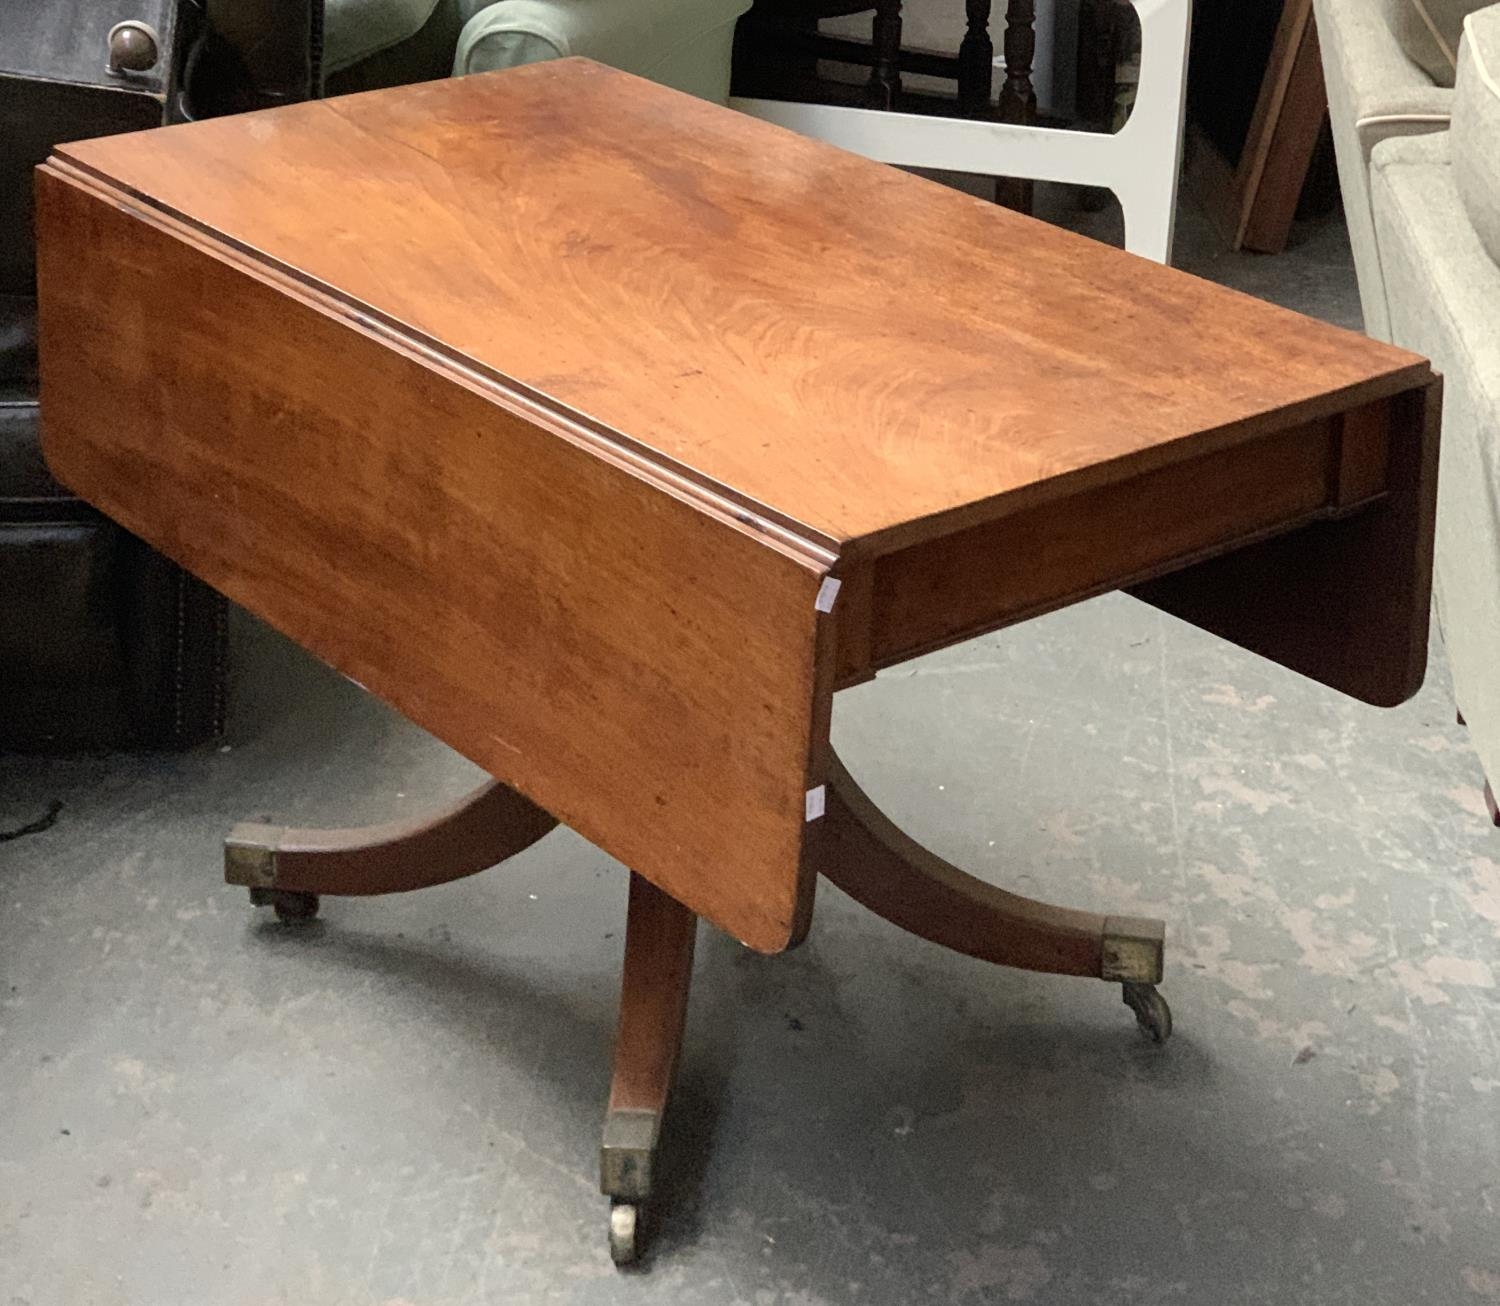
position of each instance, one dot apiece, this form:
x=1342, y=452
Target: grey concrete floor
x=401, y=1104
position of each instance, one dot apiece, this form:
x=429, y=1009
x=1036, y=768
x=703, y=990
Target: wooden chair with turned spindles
x=779, y=47
x=1138, y=162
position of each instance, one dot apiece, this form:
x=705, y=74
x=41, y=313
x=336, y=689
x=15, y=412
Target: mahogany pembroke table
x=606, y=434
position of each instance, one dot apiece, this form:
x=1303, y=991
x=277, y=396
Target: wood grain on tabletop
x=852, y=347
x=645, y=672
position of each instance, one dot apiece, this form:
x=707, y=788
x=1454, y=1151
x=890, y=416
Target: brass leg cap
x=625, y=1158
x=250, y=856
x=1133, y=950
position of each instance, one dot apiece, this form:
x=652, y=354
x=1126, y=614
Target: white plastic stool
x=1139, y=163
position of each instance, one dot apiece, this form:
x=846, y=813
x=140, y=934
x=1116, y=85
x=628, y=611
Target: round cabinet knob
x=133, y=47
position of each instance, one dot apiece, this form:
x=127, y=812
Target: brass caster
x=624, y=1232
x=292, y=906
x=1151, y=1011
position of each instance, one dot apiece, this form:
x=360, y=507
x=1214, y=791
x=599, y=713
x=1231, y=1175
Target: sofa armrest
x=1384, y=92
x=1443, y=288
x=1374, y=93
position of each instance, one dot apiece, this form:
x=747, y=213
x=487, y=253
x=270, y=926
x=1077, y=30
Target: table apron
x=1134, y=530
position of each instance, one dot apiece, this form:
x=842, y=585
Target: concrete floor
x=401, y=1104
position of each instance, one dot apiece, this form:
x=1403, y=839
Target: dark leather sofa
x=103, y=642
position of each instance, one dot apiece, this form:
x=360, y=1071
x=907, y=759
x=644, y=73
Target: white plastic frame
x=1139, y=163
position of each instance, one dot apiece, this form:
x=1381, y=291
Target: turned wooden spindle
x=1017, y=93
x=976, y=62
x=885, y=51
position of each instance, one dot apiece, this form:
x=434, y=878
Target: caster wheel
x=1151, y=1011
x=624, y=1232
x=291, y=906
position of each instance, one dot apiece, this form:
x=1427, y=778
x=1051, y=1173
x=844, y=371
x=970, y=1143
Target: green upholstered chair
x=685, y=44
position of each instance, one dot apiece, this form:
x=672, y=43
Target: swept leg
x=659, y=936
x=878, y=865
x=884, y=88
x=287, y=868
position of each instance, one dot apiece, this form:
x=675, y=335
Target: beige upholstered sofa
x=1389, y=66
x=1420, y=165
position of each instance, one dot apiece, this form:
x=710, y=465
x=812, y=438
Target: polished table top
x=848, y=348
